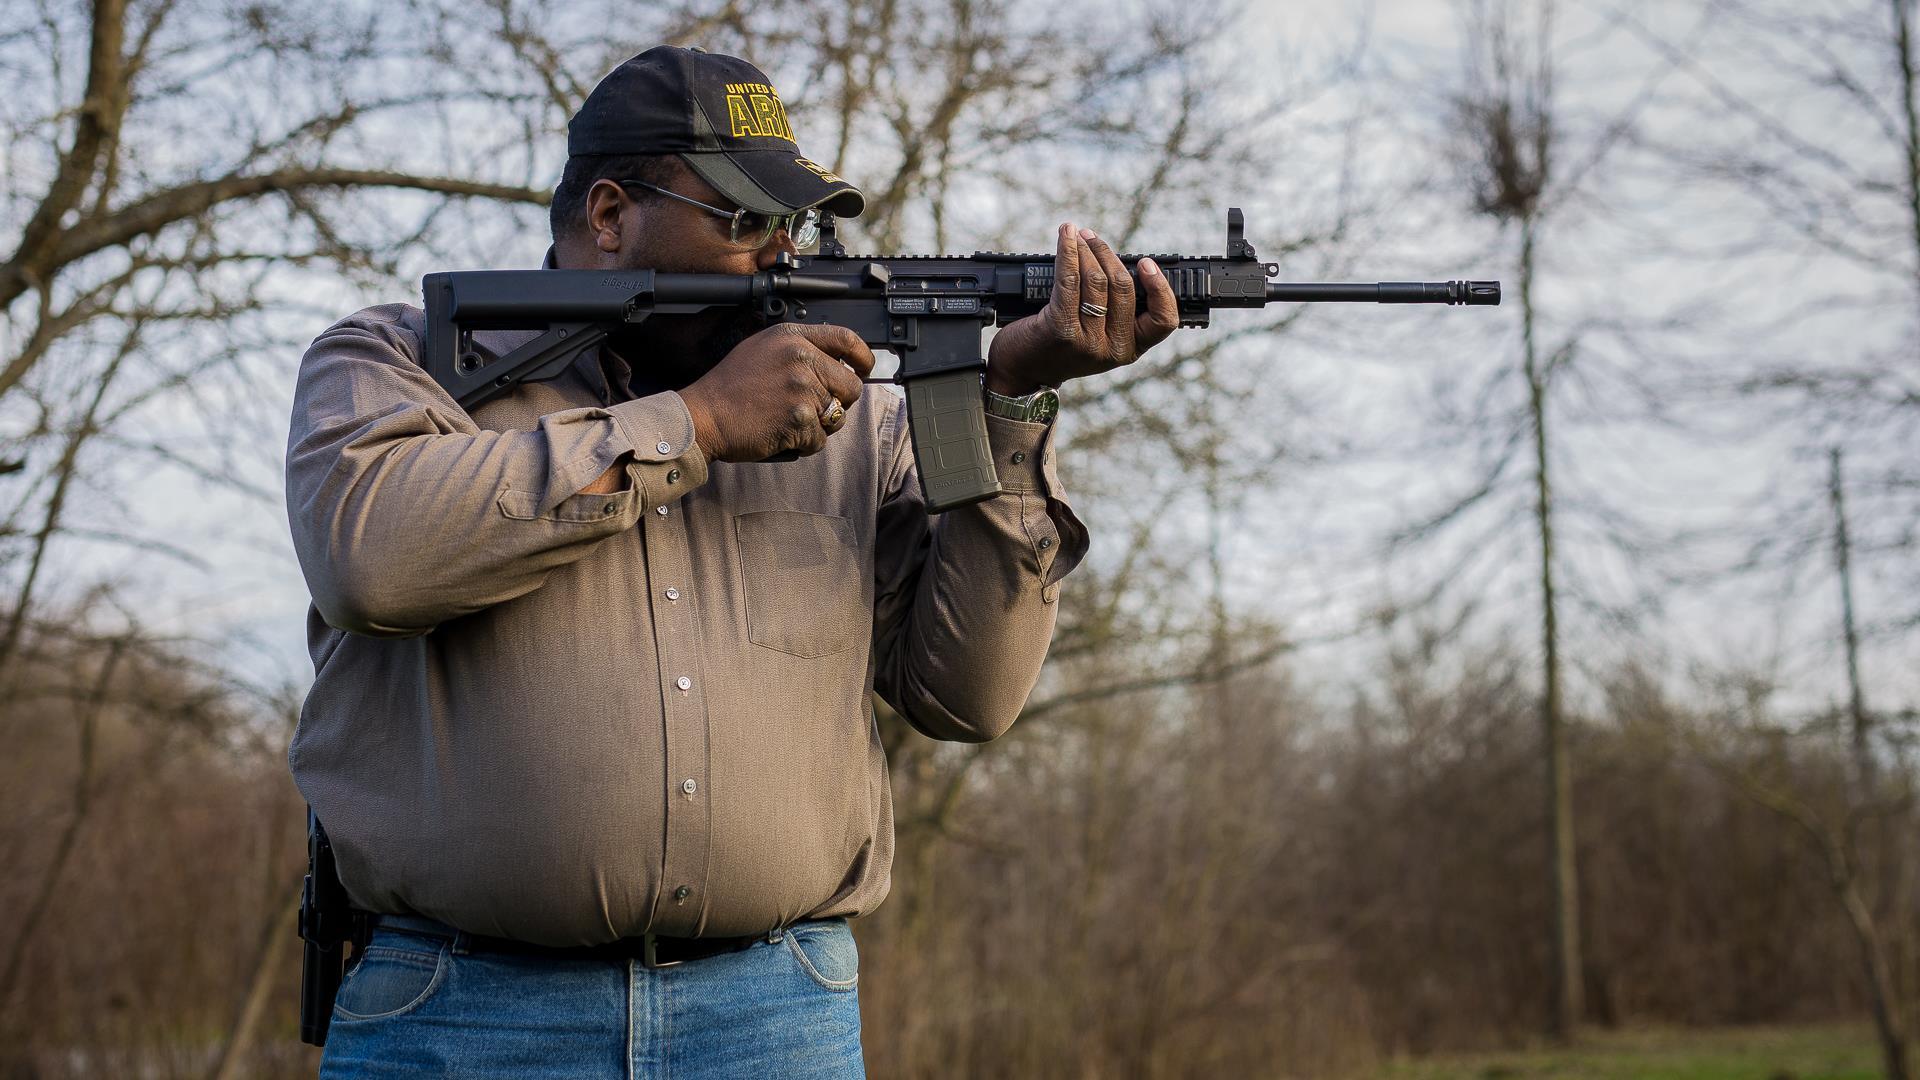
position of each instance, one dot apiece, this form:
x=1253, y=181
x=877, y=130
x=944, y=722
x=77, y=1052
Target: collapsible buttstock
x=949, y=429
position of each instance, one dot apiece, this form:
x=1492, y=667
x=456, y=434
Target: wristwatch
x=1039, y=407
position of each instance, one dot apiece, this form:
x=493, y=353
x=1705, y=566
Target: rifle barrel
x=1470, y=293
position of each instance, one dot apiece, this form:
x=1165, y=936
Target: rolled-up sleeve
x=965, y=602
x=405, y=513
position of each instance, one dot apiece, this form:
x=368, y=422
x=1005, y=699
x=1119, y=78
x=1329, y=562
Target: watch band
x=1039, y=407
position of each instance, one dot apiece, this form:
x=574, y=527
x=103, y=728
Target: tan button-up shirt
x=568, y=718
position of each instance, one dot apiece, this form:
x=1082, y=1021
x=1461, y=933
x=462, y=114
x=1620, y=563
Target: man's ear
x=606, y=211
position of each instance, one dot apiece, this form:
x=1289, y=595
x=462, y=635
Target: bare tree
x=1513, y=125
x=1509, y=130
x=145, y=278
x=1750, y=747
x=1531, y=158
x=1808, y=118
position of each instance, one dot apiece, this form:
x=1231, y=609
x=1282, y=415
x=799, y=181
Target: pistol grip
x=949, y=429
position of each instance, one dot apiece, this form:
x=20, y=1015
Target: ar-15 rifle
x=929, y=310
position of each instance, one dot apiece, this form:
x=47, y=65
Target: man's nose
x=780, y=241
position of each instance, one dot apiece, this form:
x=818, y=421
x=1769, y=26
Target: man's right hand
x=770, y=394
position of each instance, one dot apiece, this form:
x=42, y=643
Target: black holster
x=328, y=923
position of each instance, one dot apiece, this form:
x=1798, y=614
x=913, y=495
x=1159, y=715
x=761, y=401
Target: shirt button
x=689, y=786
x=607, y=509
x=673, y=593
x=1019, y=456
x=1046, y=542
x=684, y=683
x=673, y=476
x=680, y=894
x=661, y=510
x=664, y=447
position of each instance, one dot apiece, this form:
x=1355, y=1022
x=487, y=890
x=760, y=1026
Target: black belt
x=652, y=950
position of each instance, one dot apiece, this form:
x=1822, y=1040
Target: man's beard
x=671, y=352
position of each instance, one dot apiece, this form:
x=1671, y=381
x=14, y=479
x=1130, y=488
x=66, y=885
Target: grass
x=1827, y=1052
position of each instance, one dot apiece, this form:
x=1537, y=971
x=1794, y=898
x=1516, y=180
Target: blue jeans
x=422, y=1005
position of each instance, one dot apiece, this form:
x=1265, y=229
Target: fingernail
x=1148, y=267
x=1086, y=234
x=1066, y=227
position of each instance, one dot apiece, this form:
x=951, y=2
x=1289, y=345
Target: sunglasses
x=750, y=229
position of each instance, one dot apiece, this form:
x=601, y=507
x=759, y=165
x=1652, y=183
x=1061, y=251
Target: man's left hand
x=1090, y=324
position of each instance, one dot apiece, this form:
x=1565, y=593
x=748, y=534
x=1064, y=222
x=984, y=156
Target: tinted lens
x=752, y=228
x=805, y=230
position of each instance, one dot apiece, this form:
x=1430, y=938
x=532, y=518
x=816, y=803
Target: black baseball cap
x=722, y=116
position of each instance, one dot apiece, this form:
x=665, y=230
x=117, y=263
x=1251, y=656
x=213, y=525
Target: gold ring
x=834, y=415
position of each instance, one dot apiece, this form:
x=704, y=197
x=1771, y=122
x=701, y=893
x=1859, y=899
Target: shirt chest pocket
x=803, y=582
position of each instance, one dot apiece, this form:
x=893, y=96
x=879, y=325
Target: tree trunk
x=1888, y=1019
x=1910, y=117
x=1887, y=1022
x=1568, y=985
x=1863, y=768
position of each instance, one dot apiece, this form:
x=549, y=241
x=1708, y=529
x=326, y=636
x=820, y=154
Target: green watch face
x=1044, y=405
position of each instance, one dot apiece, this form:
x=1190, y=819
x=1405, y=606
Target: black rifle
x=327, y=923
x=929, y=310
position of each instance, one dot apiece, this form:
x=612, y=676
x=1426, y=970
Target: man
x=590, y=725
